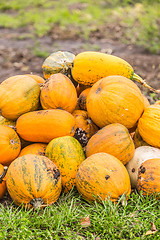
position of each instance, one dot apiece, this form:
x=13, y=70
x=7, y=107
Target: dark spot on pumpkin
x=12, y=141
x=133, y=170
x=98, y=90
x=81, y=136
x=142, y=169
x=59, y=108
x=107, y=176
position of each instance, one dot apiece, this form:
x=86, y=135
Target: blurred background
x=31, y=30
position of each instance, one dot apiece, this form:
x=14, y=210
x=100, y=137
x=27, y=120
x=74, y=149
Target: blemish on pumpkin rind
x=107, y=176
x=142, y=169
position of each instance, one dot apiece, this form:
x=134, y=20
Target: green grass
x=62, y=220
x=139, y=20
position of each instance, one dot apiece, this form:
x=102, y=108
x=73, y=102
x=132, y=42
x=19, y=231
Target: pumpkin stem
x=143, y=82
x=3, y=173
x=37, y=202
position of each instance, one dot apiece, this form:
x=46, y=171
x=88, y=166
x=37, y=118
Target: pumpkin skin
x=113, y=139
x=37, y=78
x=10, y=145
x=67, y=153
x=85, y=123
x=149, y=125
x=146, y=102
x=44, y=125
x=35, y=148
x=80, y=88
x=33, y=180
x=138, y=140
x=3, y=187
x=18, y=94
x=90, y=66
x=102, y=176
x=6, y=122
x=82, y=99
x=149, y=177
x=53, y=95
x=116, y=100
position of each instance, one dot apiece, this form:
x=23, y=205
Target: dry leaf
x=150, y=232
x=153, y=227
x=85, y=222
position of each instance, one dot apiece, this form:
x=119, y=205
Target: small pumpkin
x=115, y=99
x=3, y=187
x=10, y=145
x=141, y=154
x=35, y=148
x=80, y=88
x=82, y=99
x=58, y=92
x=18, y=94
x=33, y=181
x=102, y=176
x=149, y=177
x=67, y=153
x=44, y=125
x=113, y=139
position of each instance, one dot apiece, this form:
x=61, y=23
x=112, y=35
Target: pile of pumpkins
x=85, y=124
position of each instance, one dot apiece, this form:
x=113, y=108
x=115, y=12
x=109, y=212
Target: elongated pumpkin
x=44, y=125
x=67, y=153
x=115, y=99
x=18, y=94
x=33, y=180
x=35, y=148
x=113, y=139
x=10, y=145
x=90, y=66
x=102, y=176
x=3, y=187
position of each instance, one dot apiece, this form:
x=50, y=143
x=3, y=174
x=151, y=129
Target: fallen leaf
x=153, y=227
x=150, y=232
x=85, y=222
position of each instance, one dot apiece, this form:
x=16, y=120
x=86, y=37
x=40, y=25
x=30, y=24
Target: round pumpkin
x=149, y=177
x=141, y=154
x=33, y=180
x=10, y=145
x=113, y=139
x=3, y=187
x=35, y=148
x=102, y=176
x=115, y=99
x=149, y=125
x=58, y=92
x=37, y=78
x=67, y=153
x=44, y=125
x=18, y=94
x=82, y=99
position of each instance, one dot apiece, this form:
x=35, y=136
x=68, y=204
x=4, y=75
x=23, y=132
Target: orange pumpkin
x=3, y=187
x=44, y=125
x=33, y=180
x=18, y=94
x=35, y=148
x=149, y=177
x=146, y=102
x=115, y=99
x=113, y=139
x=80, y=88
x=59, y=92
x=9, y=145
x=6, y=122
x=138, y=140
x=82, y=99
x=37, y=78
x=67, y=153
x=102, y=176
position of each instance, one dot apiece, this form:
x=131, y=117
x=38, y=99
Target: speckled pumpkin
x=6, y=122
x=44, y=125
x=113, y=139
x=149, y=125
x=58, y=92
x=33, y=180
x=115, y=99
x=82, y=99
x=18, y=94
x=149, y=177
x=102, y=176
x=10, y=145
x=35, y=148
x=3, y=187
x=67, y=153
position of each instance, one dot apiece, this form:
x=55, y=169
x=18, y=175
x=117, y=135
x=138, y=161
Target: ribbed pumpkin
x=115, y=99
x=10, y=145
x=113, y=139
x=82, y=99
x=35, y=148
x=102, y=176
x=33, y=180
x=44, y=125
x=149, y=177
x=59, y=92
x=149, y=125
x=67, y=153
x=18, y=94
x=85, y=123
x=3, y=187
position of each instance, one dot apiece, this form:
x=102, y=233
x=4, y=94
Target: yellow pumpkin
x=35, y=148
